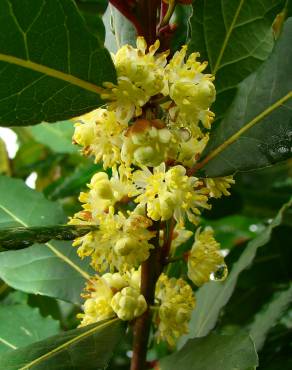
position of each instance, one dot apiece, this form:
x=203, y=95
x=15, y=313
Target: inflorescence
x=153, y=128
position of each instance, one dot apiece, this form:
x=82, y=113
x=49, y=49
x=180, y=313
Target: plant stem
x=151, y=269
x=170, y=10
x=148, y=18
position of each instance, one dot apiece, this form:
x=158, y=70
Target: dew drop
x=220, y=274
x=185, y=134
x=253, y=228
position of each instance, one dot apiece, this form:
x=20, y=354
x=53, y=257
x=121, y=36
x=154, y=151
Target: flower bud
x=125, y=246
x=128, y=304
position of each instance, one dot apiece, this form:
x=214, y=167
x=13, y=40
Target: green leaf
x=48, y=75
x=257, y=130
x=214, y=295
x=71, y=184
x=235, y=37
x=22, y=206
x=21, y=325
x=58, y=137
x=52, y=269
x=119, y=30
x=85, y=348
x=22, y=237
x=269, y=316
x=90, y=11
x=220, y=352
x=234, y=229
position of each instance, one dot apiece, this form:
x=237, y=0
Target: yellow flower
x=128, y=303
x=219, y=186
x=176, y=302
x=205, y=259
x=97, y=305
x=191, y=90
x=100, y=133
x=140, y=76
x=180, y=236
x=120, y=242
x=105, y=193
x=190, y=150
x=113, y=294
x=147, y=143
x=170, y=193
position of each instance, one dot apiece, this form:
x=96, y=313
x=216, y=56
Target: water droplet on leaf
x=220, y=274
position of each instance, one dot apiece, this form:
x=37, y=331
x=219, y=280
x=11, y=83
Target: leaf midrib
x=67, y=344
x=66, y=77
x=280, y=102
x=50, y=246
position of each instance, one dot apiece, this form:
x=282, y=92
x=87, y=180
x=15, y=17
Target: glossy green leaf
x=269, y=316
x=52, y=269
x=21, y=325
x=50, y=64
x=85, y=348
x=235, y=37
x=214, y=295
x=58, y=137
x=90, y=11
x=22, y=237
x=220, y=352
x=257, y=130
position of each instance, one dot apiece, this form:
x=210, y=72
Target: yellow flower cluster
x=205, y=259
x=176, y=302
x=170, y=193
x=152, y=130
x=113, y=294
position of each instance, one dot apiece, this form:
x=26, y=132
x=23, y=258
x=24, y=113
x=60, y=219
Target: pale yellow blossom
x=170, y=193
x=175, y=300
x=120, y=242
x=219, y=186
x=140, y=75
x=205, y=258
x=100, y=133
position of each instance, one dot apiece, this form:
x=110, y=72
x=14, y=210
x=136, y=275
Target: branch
x=151, y=270
x=147, y=12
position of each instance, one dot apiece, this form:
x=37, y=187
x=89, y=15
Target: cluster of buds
x=152, y=130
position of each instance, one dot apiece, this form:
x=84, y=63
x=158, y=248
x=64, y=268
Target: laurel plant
x=149, y=111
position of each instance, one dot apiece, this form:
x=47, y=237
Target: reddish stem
x=148, y=17
x=150, y=272
x=167, y=242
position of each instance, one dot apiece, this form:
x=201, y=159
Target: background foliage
x=52, y=63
